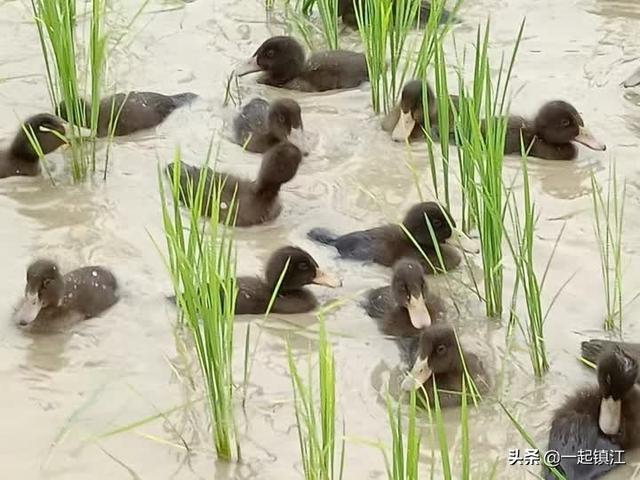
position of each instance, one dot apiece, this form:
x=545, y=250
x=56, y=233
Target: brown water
x=62, y=392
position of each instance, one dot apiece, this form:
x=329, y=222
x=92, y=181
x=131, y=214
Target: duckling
x=606, y=417
x=254, y=294
x=347, y=10
x=20, y=159
x=387, y=244
x=256, y=201
x=406, y=306
x=49, y=295
x=132, y=111
x=551, y=133
x=406, y=120
x=284, y=64
x=435, y=353
x=260, y=125
x=592, y=349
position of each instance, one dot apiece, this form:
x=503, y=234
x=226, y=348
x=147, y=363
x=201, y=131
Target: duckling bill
x=294, y=268
x=283, y=63
x=49, y=295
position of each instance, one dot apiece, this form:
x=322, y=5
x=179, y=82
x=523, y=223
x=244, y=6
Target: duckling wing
x=90, y=290
x=251, y=120
x=335, y=70
x=572, y=432
x=377, y=301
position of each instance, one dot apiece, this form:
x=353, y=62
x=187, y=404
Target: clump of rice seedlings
x=329, y=14
x=202, y=264
x=57, y=25
x=405, y=459
x=608, y=227
x=481, y=125
x=298, y=16
x=316, y=422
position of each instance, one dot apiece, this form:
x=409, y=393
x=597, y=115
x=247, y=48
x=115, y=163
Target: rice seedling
x=329, y=15
x=202, y=266
x=316, y=423
x=405, y=459
x=608, y=227
x=480, y=143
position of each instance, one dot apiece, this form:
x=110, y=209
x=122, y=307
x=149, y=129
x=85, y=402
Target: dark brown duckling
x=435, y=353
x=406, y=121
x=406, y=306
x=551, y=134
x=20, y=159
x=256, y=201
x=347, y=10
x=260, y=125
x=592, y=349
x=254, y=294
x=389, y=243
x=49, y=295
x=132, y=112
x=606, y=417
x=284, y=64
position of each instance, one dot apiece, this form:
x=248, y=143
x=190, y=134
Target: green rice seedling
x=329, y=14
x=202, y=264
x=608, y=227
x=33, y=140
x=316, y=422
x=527, y=437
x=297, y=16
x=405, y=460
x=481, y=127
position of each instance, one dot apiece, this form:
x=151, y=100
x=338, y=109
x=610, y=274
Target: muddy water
x=63, y=392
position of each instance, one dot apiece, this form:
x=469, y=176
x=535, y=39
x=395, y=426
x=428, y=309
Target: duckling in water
x=406, y=120
x=606, y=417
x=592, y=349
x=260, y=125
x=20, y=159
x=256, y=201
x=389, y=243
x=254, y=294
x=284, y=64
x=132, y=112
x=49, y=295
x=551, y=133
x=435, y=353
x=406, y=306
x=347, y=10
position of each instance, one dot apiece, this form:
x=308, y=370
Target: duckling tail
x=182, y=99
x=322, y=235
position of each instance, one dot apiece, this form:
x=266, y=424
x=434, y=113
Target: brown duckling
x=49, y=295
x=284, y=64
x=20, y=159
x=260, y=125
x=551, y=134
x=254, y=294
x=435, y=353
x=389, y=243
x=592, y=349
x=256, y=201
x=606, y=417
x=405, y=307
x=406, y=121
x=347, y=10
x=132, y=111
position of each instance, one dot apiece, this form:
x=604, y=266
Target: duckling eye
x=441, y=349
x=270, y=53
x=303, y=266
x=565, y=122
x=436, y=223
x=46, y=282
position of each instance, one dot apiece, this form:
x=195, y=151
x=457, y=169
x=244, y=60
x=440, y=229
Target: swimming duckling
x=389, y=243
x=406, y=306
x=20, y=159
x=260, y=125
x=49, y=295
x=254, y=294
x=606, y=417
x=284, y=64
x=435, y=354
x=347, y=10
x=132, y=112
x=592, y=349
x=406, y=120
x=256, y=201
x=551, y=133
